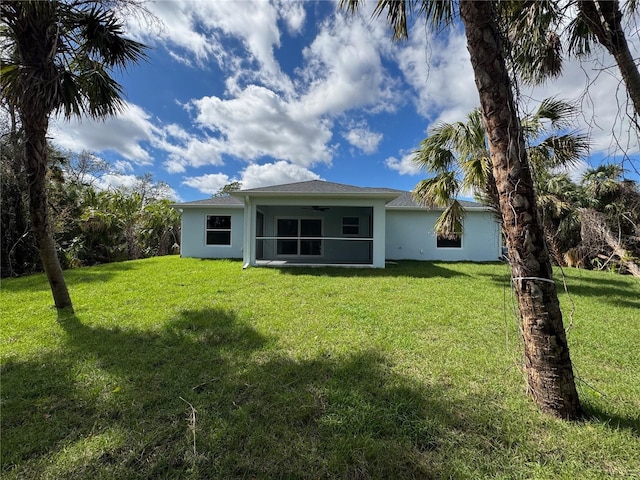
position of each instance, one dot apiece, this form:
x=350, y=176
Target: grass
x=185, y=368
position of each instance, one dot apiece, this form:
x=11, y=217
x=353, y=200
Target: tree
x=16, y=245
x=610, y=217
x=128, y=223
x=547, y=360
x=538, y=55
x=602, y=20
x=458, y=156
x=57, y=57
x=227, y=189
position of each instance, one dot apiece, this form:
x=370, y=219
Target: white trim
x=207, y=230
x=248, y=252
x=480, y=208
x=357, y=225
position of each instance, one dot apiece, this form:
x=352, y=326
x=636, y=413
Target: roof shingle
x=318, y=186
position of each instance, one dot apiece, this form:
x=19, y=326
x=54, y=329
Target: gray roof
x=226, y=201
x=406, y=200
x=319, y=187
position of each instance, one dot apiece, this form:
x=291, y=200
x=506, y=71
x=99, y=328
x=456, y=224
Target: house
x=325, y=223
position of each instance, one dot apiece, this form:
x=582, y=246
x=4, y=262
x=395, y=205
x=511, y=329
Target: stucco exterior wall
x=193, y=233
x=410, y=236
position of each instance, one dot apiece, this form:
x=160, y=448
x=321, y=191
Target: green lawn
x=184, y=368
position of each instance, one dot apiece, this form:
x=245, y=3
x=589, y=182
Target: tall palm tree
x=538, y=55
x=458, y=156
x=547, y=360
x=57, y=58
x=602, y=20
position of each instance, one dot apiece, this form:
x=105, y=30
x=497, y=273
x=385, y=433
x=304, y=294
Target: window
x=218, y=230
x=350, y=225
x=449, y=242
x=291, y=234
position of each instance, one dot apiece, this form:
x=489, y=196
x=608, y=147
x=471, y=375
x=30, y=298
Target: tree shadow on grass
x=131, y=404
x=38, y=282
x=401, y=268
x=596, y=413
x=613, y=291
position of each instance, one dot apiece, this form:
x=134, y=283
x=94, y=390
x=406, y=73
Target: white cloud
x=117, y=181
x=255, y=176
x=194, y=152
x=209, y=184
x=293, y=14
x=404, y=165
x=131, y=134
x=260, y=123
x=263, y=112
x=344, y=70
x=363, y=138
x=123, y=134
x=122, y=166
x=439, y=70
x=199, y=27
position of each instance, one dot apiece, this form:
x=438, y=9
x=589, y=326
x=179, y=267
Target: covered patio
x=328, y=227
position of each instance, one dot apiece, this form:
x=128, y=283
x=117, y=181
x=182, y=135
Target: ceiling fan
x=316, y=208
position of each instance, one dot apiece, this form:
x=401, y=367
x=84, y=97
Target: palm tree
x=547, y=361
x=558, y=198
x=57, y=58
x=458, y=155
x=538, y=55
x=602, y=20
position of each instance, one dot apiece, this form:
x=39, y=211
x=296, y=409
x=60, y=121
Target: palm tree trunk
x=36, y=161
x=605, y=21
x=547, y=361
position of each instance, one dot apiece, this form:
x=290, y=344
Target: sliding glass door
x=299, y=236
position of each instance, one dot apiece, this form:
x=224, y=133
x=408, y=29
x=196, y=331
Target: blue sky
x=283, y=91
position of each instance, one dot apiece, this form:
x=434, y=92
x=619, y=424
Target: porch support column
x=379, y=228
x=248, y=251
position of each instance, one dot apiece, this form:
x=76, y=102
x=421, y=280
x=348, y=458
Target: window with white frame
x=218, y=230
x=350, y=226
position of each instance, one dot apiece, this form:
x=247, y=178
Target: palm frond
x=397, y=13
x=552, y=113
x=581, y=38
x=450, y=223
x=567, y=150
x=439, y=190
x=438, y=13
x=475, y=169
x=538, y=54
x=66, y=52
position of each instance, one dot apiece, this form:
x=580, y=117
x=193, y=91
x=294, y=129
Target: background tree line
x=588, y=222
x=90, y=225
